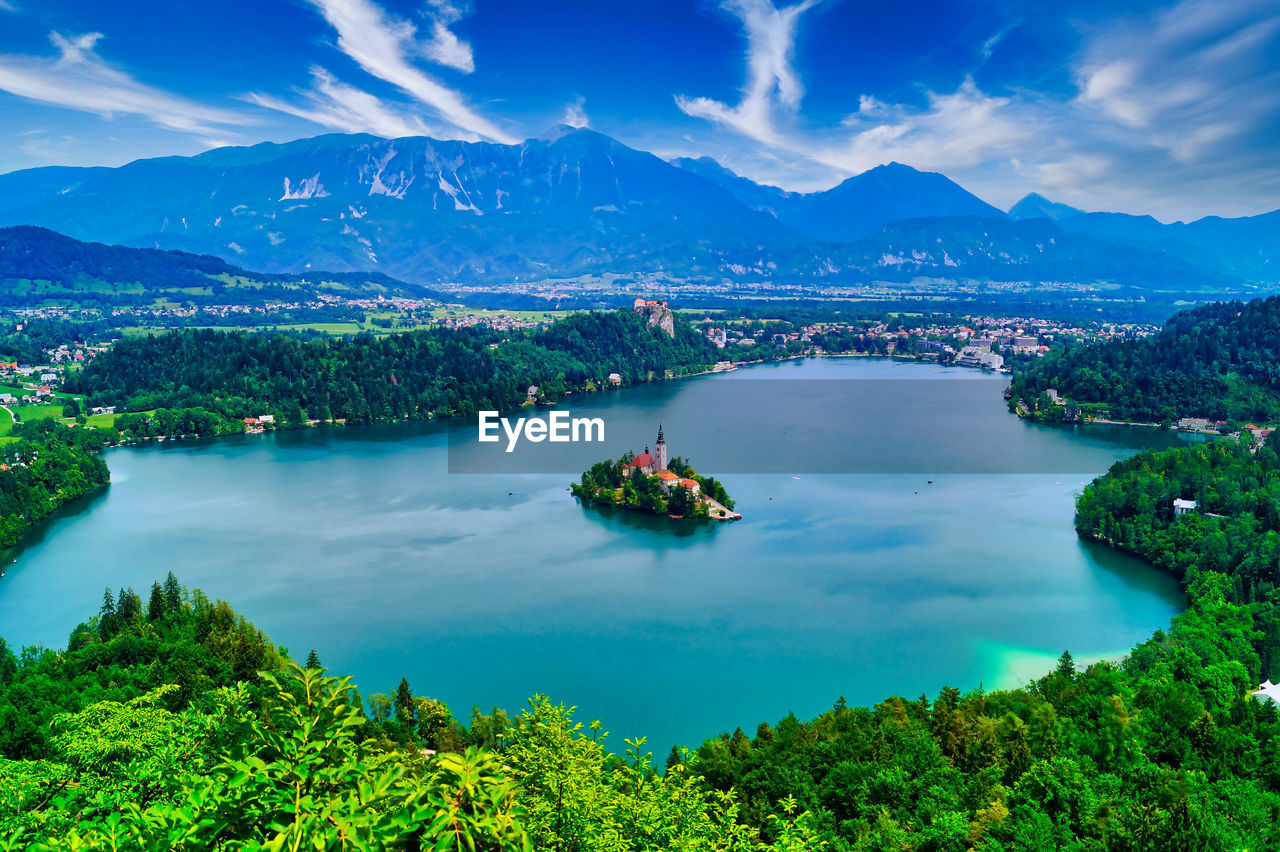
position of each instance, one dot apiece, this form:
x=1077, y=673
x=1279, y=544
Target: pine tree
x=404, y=704
x=128, y=606
x=1066, y=665
x=739, y=745
x=107, y=615
x=313, y=660
x=675, y=758
x=172, y=593
x=156, y=607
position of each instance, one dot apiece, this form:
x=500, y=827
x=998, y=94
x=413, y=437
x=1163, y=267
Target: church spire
x=660, y=450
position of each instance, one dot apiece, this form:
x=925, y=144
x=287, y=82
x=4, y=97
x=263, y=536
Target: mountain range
x=576, y=203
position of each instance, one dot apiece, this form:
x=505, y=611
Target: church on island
x=655, y=464
x=647, y=483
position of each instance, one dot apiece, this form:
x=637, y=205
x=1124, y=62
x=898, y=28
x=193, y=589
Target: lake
x=850, y=574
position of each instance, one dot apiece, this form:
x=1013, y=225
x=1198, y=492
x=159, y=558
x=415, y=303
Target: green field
x=369, y=326
x=26, y=412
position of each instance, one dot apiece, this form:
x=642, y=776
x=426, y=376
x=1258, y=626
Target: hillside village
x=31, y=384
x=968, y=341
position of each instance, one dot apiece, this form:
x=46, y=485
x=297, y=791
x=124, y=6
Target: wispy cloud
x=77, y=78
x=444, y=47
x=960, y=128
x=575, y=113
x=43, y=146
x=772, y=83
x=1188, y=78
x=332, y=103
x=1171, y=109
x=384, y=47
x=6, y=6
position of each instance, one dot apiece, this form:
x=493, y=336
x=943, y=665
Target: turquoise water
x=486, y=589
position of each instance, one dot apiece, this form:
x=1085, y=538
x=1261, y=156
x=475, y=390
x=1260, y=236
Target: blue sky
x=1164, y=108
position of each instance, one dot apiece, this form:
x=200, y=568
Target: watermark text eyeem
x=560, y=427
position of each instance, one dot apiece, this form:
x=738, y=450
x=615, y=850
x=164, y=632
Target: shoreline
x=432, y=417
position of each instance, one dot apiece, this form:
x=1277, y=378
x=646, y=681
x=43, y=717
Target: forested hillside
x=1235, y=529
x=48, y=466
x=1219, y=361
x=39, y=266
x=414, y=375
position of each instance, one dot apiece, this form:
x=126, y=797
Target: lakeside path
x=1104, y=421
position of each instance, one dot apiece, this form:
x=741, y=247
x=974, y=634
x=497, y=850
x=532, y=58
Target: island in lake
x=653, y=483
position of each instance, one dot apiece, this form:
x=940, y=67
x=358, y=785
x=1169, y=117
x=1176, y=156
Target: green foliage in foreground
x=148, y=734
x=291, y=775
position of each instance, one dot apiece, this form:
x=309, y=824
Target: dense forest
x=414, y=375
x=1219, y=361
x=47, y=467
x=1235, y=528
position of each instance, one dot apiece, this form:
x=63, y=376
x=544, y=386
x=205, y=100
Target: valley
x=311, y=348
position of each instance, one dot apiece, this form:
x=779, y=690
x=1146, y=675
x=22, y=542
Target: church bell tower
x=660, y=450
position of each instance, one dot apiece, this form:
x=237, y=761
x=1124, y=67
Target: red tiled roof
x=689, y=483
x=642, y=460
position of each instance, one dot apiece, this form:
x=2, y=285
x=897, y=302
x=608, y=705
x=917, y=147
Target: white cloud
x=384, y=46
x=962, y=128
x=1175, y=113
x=958, y=128
x=79, y=79
x=332, y=103
x=1194, y=75
x=575, y=113
x=772, y=83
x=6, y=6
x=445, y=48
